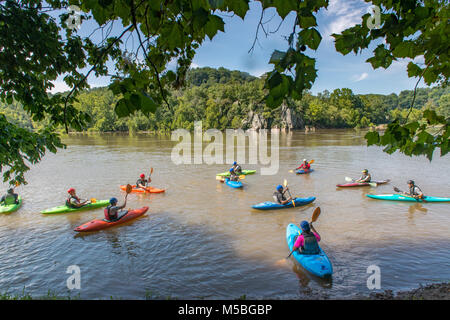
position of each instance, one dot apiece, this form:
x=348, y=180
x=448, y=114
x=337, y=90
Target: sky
x=230, y=49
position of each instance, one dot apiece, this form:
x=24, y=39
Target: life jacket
x=107, y=212
x=142, y=182
x=69, y=204
x=276, y=197
x=310, y=245
x=413, y=192
x=10, y=199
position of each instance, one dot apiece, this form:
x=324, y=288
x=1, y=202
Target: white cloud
x=343, y=14
x=59, y=86
x=361, y=77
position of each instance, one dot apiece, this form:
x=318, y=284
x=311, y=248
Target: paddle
x=222, y=179
x=310, y=162
x=372, y=184
x=149, y=178
x=315, y=215
x=407, y=195
x=285, y=185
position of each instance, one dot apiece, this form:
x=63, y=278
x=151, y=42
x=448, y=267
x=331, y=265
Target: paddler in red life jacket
x=73, y=201
x=305, y=166
x=308, y=241
x=365, y=178
x=113, y=212
x=142, y=182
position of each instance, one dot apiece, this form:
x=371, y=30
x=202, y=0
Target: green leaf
x=372, y=138
x=214, y=24
x=311, y=37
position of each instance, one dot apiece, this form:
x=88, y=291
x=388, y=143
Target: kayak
x=317, y=264
x=233, y=184
x=400, y=197
x=227, y=174
x=302, y=171
x=139, y=190
x=272, y=205
x=89, y=206
x=11, y=207
x=364, y=184
x=99, y=224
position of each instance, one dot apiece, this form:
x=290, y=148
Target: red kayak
x=356, y=184
x=98, y=224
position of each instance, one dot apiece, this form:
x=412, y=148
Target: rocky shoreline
x=436, y=291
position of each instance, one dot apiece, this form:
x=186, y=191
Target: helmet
x=410, y=182
x=304, y=160
x=305, y=225
x=71, y=190
x=365, y=171
x=231, y=170
x=142, y=176
x=234, y=163
x=11, y=190
x=279, y=187
x=113, y=200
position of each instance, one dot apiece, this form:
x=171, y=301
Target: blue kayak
x=233, y=184
x=268, y=205
x=317, y=264
x=302, y=171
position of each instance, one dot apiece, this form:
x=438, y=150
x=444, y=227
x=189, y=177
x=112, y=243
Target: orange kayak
x=99, y=224
x=139, y=190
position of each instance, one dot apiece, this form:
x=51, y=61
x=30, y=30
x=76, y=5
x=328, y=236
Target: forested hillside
x=228, y=99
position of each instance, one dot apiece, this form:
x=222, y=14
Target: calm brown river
x=202, y=239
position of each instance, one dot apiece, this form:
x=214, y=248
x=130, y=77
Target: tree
x=410, y=29
x=36, y=48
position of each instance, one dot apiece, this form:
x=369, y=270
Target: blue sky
x=230, y=49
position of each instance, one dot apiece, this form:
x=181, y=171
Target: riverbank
x=435, y=291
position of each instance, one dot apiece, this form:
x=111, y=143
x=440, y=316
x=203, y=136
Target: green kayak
x=227, y=174
x=400, y=197
x=11, y=207
x=64, y=208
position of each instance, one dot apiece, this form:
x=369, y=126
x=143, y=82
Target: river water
x=202, y=239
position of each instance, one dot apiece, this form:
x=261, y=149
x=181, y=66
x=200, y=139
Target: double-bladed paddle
x=315, y=215
x=285, y=185
x=222, y=179
x=410, y=196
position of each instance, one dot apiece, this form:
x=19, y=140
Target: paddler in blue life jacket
x=10, y=198
x=73, y=201
x=113, y=212
x=236, y=168
x=365, y=178
x=279, y=197
x=308, y=240
x=414, y=190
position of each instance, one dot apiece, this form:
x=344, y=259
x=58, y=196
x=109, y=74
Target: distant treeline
x=223, y=99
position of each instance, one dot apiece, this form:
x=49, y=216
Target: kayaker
x=113, y=212
x=414, y=190
x=142, y=182
x=279, y=195
x=10, y=198
x=73, y=201
x=365, y=178
x=305, y=165
x=236, y=168
x=233, y=175
x=308, y=241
